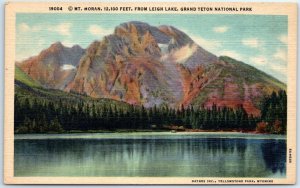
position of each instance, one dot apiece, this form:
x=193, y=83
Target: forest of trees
x=40, y=115
x=273, y=114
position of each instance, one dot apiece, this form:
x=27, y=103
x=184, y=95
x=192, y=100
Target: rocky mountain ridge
x=145, y=65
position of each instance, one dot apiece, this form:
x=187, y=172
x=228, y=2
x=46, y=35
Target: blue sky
x=258, y=40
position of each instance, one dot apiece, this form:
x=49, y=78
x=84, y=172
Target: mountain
x=238, y=84
x=141, y=64
x=22, y=77
x=145, y=65
x=53, y=67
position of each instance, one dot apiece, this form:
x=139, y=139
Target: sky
x=258, y=40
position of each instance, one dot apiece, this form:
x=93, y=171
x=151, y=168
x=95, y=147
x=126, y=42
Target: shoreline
x=151, y=131
x=149, y=135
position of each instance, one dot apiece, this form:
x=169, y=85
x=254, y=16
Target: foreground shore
x=150, y=131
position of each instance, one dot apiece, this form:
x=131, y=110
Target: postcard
x=150, y=93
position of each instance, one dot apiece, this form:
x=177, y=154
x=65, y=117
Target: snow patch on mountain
x=163, y=48
x=67, y=67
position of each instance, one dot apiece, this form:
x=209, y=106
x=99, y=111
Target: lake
x=151, y=155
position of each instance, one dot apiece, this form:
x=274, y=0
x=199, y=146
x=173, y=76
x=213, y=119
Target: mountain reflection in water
x=155, y=156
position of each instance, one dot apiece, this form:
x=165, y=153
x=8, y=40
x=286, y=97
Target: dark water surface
x=151, y=154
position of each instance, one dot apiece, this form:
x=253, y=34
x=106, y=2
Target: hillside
x=40, y=110
x=24, y=78
x=238, y=84
x=28, y=89
x=54, y=67
x=152, y=66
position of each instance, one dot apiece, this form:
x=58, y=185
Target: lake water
x=151, y=155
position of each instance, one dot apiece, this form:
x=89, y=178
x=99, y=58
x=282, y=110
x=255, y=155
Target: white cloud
x=252, y=42
x=280, y=54
x=210, y=45
x=221, y=29
x=232, y=54
x=283, y=39
x=62, y=29
x=24, y=27
x=98, y=31
x=259, y=60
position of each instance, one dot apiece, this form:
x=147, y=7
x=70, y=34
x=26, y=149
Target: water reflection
x=274, y=154
x=186, y=157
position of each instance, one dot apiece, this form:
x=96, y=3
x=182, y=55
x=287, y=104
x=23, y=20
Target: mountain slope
x=236, y=85
x=27, y=88
x=24, y=78
x=140, y=64
x=53, y=67
x=145, y=65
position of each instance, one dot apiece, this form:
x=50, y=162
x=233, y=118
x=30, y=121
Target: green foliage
x=274, y=112
x=41, y=115
x=39, y=110
x=240, y=73
x=250, y=74
x=24, y=78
